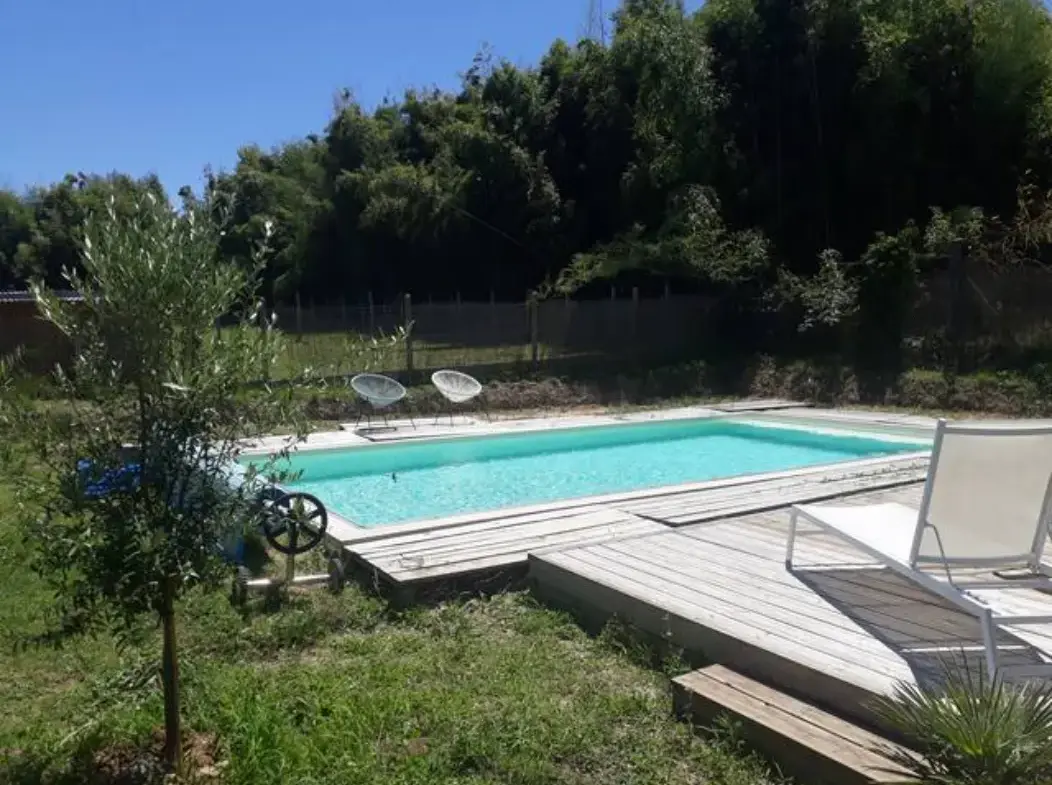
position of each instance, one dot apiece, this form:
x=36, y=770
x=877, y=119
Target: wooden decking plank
x=493, y=561
x=563, y=579
x=800, y=622
x=754, y=580
x=813, y=555
x=395, y=536
x=700, y=508
x=702, y=502
x=911, y=627
x=567, y=531
x=807, y=742
x=783, y=638
x=492, y=531
x=848, y=731
x=507, y=547
x=829, y=475
x=884, y=584
x=806, y=492
x=904, y=469
x=759, y=405
x=513, y=551
x=780, y=592
x=842, y=417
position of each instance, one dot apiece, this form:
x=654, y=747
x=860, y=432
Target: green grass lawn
x=342, y=689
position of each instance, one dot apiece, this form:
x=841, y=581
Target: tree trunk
x=173, y=751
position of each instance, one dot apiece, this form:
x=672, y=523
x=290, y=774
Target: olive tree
x=135, y=484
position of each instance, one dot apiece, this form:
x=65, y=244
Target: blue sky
x=172, y=85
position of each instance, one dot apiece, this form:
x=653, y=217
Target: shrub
x=970, y=731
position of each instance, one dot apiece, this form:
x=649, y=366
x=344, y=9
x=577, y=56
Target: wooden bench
x=804, y=741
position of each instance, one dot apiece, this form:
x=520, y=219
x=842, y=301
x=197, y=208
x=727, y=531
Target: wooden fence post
x=635, y=314
x=535, y=349
x=955, y=316
x=343, y=311
x=372, y=314
x=407, y=316
x=299, y=314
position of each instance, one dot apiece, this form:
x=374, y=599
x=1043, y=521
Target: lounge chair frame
x=953, y=588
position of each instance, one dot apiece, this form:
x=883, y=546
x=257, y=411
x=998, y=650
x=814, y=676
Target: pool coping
x=344, y=531
x=348, y=437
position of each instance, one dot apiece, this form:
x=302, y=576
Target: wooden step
x=804, y=741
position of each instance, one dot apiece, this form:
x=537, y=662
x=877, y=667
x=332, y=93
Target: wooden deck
x=759, y=405
x=456, y=551
x=679, y=508
x=809, y=744
x=835, y=635
x=435, y=551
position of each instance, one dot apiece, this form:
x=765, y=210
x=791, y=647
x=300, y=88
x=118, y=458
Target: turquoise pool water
x=392, y=483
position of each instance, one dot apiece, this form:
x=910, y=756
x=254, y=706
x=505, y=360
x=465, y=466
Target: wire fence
x=987, y=318
x=538, y=334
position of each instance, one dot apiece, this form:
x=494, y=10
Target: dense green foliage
x=731, y=147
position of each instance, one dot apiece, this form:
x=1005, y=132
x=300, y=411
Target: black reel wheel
x=274, y=523
x=295, y=523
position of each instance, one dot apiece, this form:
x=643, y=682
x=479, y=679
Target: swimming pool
x=418, y=480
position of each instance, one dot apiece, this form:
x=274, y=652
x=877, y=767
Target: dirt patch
x=127, y=764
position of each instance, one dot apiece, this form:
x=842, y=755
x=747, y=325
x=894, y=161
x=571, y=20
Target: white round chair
x=381, y=392
x=457, y=388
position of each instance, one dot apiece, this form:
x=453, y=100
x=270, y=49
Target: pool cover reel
x=293, y=523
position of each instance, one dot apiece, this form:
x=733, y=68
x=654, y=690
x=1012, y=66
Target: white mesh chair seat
x=456, y=386
x=380, y=391
x=986, y=512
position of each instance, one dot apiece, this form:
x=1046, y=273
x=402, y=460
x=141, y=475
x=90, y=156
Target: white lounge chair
x=979, y=533
x=380, y=392
x=456, y=387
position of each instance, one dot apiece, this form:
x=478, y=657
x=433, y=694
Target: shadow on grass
x=90, y=764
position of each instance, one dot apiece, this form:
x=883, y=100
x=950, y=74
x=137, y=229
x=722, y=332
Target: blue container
x=126, y=478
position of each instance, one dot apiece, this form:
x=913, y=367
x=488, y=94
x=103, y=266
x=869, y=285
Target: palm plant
x=971, y=731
